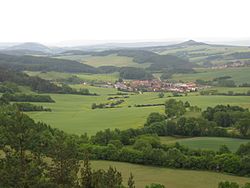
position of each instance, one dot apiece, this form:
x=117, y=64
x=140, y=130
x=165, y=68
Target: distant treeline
x=229, y=93
x=107, y=105
x=148, y=105
x=28, y=107
x=19, y=97
x=224, y=81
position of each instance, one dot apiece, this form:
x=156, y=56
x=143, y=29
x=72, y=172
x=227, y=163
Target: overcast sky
x=54, y=21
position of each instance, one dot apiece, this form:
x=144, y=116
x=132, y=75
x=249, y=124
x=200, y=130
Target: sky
x=73, y=21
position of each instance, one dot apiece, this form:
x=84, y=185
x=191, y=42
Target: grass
x=109, y=60
x=73, y=113
x=84, y=76
x=210, y=143
x=172, y=178
x=239, y=75
x=227, y=89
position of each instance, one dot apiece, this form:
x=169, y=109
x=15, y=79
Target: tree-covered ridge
x=36, y=63
x=158, y=62
x=8, y=77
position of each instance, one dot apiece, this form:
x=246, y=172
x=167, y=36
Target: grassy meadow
x=239, y=75
x=84, y=76
x=73, y=113
x=210, y=143
x=108, y=60
x=172, y=178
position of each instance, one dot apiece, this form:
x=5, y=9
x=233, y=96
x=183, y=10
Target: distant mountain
x=190, y=43
x=31, y=46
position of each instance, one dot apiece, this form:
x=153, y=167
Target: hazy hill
x=35, y=63
x=31, y=46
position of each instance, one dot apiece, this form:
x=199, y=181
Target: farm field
x=239, y=75
x=109, y=60
x=73, y=113
x=87, y=77
x=171, y=178
x=210, y=143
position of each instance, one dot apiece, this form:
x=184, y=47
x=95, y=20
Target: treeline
x=229, y=93
x=240, y=55
x=147, y=150
x=228, y=184
x=8, y=87
x=224, y=81
x=19, y=97
x=135, y=73
x=28, y=107
x=118, y=97
x=148, y=105
x=108, y=104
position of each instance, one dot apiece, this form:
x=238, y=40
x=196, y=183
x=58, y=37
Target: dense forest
x=8, y=77
x=39, y=63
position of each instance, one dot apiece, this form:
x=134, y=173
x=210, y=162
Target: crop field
x=239, y=75
x=210, y=143
x=73, y=113
x=172, y=178
x=109, y=60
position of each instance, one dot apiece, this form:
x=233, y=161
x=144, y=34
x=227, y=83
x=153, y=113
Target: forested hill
x=140, y=56
x=35, y=63
x=35, y=83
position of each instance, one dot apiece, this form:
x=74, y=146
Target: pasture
x=239, y=75
x=73, y=113
x=210, y=143
x=172, y=178
x=84, y=76
x=108, y=60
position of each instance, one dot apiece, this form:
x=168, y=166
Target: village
x=155, y=86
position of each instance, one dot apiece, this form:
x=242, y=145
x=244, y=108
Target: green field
x=73, y=113
x=109, y=60
x=210, y=143
x=171, y=178
x=239, y=75
x=84, y=76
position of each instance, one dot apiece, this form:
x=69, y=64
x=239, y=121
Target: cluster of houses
x=155, y=86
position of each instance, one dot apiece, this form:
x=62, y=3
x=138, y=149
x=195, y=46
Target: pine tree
x=65, y=165
x=86, y=173
x=131, y=182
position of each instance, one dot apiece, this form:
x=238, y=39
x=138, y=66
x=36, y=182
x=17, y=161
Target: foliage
x=28, y=107
x=27, y=98
x=39, y=63
x=174, y=108
x=134, y=73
